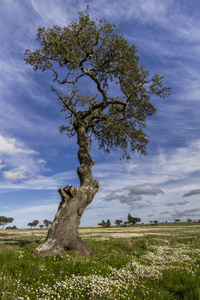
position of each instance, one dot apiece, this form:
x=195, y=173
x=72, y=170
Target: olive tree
x=115, y=114
x=35, y=223
x=133, y=220
x=5, y=220
x=47, y=223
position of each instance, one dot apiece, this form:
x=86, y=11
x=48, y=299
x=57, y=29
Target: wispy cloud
x=177, y=203
x=139, y=10
x=187, y=213
x=51, y=12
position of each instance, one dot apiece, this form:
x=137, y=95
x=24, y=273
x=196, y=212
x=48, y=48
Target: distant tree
x=155, y=222
x=133, y=220
x=47, y=223
x=30, y=224
x=136, y=220
x=105, y=224
x=115, y=117
x=130, y=219
x=5, y=220
x=189, y=220
x=108, y=223
x=125, y=224
x=35, y=223
x=41, y=226
x=151, y=222
x=177, y=220
x=118, y=222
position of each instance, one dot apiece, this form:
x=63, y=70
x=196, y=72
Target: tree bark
x=63, y=233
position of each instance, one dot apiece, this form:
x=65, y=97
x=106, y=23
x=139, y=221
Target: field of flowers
x=139, y=262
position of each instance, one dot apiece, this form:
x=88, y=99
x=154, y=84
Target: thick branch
x=102, y=105
x=92, y=76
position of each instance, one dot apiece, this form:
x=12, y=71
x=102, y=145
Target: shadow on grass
x=19, y=243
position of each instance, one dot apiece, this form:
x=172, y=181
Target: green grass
x=162, y=263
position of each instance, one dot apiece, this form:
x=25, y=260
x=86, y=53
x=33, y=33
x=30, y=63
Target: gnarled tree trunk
x=64, y=230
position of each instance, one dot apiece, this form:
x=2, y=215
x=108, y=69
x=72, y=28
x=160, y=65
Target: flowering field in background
x=139, y=262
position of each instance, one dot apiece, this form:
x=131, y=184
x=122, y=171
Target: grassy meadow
x=134, y=262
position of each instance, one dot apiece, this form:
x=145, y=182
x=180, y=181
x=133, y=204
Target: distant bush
x=11, y=227
x=105, y=224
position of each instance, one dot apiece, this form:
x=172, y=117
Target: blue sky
x=36, y=160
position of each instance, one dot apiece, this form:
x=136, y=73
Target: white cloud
x=36, y=182
x=19, y=162
x=16, y=173
x=12, y=146
x=41, y=161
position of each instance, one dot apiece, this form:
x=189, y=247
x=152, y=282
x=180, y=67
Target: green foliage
x=189, y=220
x=95, y=50
x=11, y=227
x=133, y=220
x=118, y=222
x=180, y=285
x=30, y=224
x=47, y=223
x=5, y=220
x=136, y=220
x=105, y=224
x=108, y=223
x=33, y=224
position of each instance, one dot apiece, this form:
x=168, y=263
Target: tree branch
x=67, y=106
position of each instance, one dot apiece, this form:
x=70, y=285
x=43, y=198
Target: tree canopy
x=115, y=114
x=47, y=223
x=5, y=220
x=133, y=220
